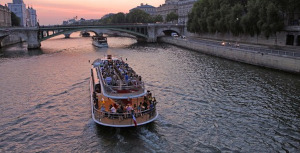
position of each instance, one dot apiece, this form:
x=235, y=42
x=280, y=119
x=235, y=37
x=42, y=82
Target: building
x=19, y=8
x=70, y=21
x=5, y=16
x=168, y=7
x=184, y=8
x=147, y=8
x=171, y=1
x=31, y=17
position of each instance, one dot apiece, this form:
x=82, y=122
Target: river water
x=206, y=104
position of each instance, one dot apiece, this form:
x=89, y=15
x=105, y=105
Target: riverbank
x=288, y=61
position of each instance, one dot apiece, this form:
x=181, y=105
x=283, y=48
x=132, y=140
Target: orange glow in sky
x=56, y=11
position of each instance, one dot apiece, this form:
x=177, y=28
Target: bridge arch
x=96, y=30
x=166, y=31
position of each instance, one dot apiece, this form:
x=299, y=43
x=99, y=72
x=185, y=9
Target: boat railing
x=124, y=89
x=98, y=114
x=132, y=86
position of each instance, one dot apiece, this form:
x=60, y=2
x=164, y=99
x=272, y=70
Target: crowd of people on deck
x=121, y=111
x=117, y=72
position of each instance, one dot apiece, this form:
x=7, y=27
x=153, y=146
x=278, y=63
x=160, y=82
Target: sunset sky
x=56, y=11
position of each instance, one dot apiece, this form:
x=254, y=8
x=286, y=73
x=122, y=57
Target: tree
x=234, y=19
x=15, y=21
x=118, y=18
x=274, y=19
x=138, y=16
x=250, y=20
x=239, y=16
x=158, y=18
x=171, y=17
x=106, y=20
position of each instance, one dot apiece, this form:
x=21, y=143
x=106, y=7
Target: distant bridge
x=143, y=32
x=146, y=32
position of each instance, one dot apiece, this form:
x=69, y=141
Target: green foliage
x=118, y=18
x=238, y=16
x=158, y=18
x=134, y=16
x=138, y=16
x=15, y=21
x=171, y=17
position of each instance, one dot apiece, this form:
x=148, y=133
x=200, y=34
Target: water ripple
x=205, y=104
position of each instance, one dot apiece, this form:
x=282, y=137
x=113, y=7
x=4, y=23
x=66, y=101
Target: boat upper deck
x=118, y=80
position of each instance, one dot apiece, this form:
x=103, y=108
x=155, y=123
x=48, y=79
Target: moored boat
x=100, y=41
x=84, y=34
x=118, y=95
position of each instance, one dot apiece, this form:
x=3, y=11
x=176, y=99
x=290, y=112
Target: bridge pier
x=1, y=38
x=151, y=34
x=32, y=40
x=67, y=35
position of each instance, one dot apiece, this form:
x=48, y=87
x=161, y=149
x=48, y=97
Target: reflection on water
x=206, y=104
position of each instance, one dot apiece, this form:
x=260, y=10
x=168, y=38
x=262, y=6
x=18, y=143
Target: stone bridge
x=14, y=35
x=33, y=36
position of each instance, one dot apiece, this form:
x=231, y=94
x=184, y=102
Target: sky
x=51, y=12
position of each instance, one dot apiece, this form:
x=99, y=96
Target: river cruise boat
x=118, y=95
x=100, y=41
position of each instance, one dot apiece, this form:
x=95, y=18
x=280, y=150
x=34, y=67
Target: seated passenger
x=108, y=80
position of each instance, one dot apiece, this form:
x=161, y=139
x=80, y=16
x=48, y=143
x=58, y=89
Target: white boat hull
x=100, y=45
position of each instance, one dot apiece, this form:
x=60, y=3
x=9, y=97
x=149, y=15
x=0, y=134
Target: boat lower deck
x=124, y=120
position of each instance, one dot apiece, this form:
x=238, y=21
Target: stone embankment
x=277, y=59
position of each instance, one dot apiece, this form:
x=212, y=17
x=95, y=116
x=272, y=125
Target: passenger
x=113, y=109
x=102, y=109
x=151, y=108
x=112, y=112
x=96, y=103
x=154, y=101
x=94, y=96
x=128, y=109
x=139, y=107
x=126, y=78
x=145, y=104
x=120, y=113
x=122, y=108
x=132, y=112
x=103, y=102
x=149, y=99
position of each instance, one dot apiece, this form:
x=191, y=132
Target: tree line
x=252, y=17
x=137, y=16
x=134, y=16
